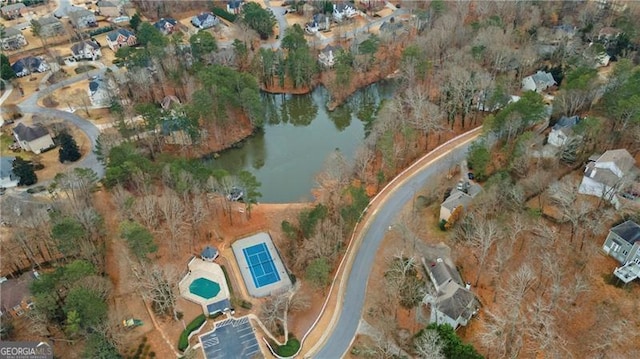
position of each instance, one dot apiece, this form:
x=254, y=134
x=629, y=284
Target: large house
x=343, y=11
x=49, y=26
x=320, y=22
x=623, y=244
x=453, y=302
x=166, y=25
x=204, y=20
x=7, y=177
x=15, y=300
x=88, y=49
x=538, y=82
x=12, y=39
x=33, y=138
x=108, y=9
x=28, y=65
x=460, y=197
x=12, y=11
x=327, y=57
x=82, y=18
x=562, y=130
x=610, y=173
x=121, y=38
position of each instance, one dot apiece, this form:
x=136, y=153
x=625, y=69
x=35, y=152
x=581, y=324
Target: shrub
x=183, y=343
x=443, y=224
x=100, y=30
x=246, y=304
x=224, y=14
x=289, y=349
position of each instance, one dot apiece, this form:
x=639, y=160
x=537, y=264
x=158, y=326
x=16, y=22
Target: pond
x=298, y=136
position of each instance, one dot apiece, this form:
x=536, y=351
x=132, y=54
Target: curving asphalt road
x=344, y=330
x=30, y=105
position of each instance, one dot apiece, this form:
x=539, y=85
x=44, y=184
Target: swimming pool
x=204, y=288
x=263, y=270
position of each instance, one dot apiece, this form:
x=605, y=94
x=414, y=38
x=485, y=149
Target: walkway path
x=334, y=336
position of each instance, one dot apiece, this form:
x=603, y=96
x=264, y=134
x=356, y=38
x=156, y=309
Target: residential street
x=383, y=210
x=30, y=106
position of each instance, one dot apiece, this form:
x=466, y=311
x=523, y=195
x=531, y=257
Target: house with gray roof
x=234, y=6
x=343, y=11
x=88, y=49
x=50, y=26
x=538, y=82
x=461, y=197
x=7, y=177
x=82, y=18
x=623, y=244
x=452, y=303
x=12, y=39
x=166, y=25
x=12, y=11
x=205, y=20
x=33, y=138
x=610, y=173
x=562, y=130
x=28, y=65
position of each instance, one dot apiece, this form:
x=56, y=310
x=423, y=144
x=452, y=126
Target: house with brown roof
x=15, y=297
x=610, y=173
x=33, y=138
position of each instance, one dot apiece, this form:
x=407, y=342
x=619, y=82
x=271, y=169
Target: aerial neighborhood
x=320, y=179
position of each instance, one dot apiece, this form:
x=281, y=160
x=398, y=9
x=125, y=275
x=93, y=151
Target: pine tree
x=68, y=148
x=24, y=170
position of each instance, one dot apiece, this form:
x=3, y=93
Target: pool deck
x=277, y=287
x=209, y=270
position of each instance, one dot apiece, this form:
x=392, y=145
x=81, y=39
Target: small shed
x=209, y=253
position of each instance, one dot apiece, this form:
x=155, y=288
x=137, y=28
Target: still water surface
x=298, y=137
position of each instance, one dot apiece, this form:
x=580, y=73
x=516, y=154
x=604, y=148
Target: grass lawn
x=5, y=141
x=84, y=68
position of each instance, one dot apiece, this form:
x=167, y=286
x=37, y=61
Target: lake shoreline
x=338, y=94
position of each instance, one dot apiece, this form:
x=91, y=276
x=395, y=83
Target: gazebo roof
x=209, y=252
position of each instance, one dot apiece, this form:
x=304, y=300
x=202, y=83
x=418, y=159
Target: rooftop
x=629, y=231
x=27, y=133
x=621, y=157
x=15, y=290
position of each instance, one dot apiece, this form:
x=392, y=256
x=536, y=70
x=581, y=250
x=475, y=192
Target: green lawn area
x=84, y=68
x=5, y=141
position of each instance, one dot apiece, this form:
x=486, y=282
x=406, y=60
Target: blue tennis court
x=263, y=270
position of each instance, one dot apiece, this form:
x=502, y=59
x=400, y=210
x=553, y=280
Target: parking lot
x=231, y=338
